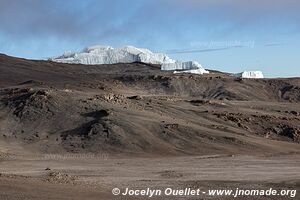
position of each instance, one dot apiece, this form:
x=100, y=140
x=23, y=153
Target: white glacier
x=108, y=55
x=250, y=74
x=178, y=65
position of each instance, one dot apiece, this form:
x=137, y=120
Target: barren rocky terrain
x=71, y=131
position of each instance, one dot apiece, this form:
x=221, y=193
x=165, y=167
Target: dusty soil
x=94, y=177
x=77, y=131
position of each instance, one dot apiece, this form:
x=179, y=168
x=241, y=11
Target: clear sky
x=227, y=35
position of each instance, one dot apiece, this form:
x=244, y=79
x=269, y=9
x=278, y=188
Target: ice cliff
x=108, y=55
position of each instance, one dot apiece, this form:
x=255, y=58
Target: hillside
x=136, y=108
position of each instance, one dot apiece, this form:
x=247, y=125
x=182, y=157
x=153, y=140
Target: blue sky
x=226, y=35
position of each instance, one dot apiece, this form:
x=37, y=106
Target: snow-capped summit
x=250, y=74
x=108, y=55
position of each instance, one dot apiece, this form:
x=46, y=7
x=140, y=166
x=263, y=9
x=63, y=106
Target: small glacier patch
x=250, y=74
